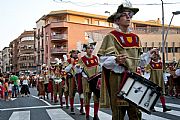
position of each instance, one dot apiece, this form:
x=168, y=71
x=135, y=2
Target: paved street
x=32, y=108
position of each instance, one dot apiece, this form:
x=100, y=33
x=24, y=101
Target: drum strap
x=124, y=78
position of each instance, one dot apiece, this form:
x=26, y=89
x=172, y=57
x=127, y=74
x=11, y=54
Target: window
x=102, y=23
x=27, y=38
x=152, y=44
x=87, y=21
x=96, y=22
x=170, y=49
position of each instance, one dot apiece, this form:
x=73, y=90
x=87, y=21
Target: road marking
x=172, y=112
x=172, y=105
x=101, y=115
x=13, y=99
x=41, y=100
x=58, y=114
x=20, y=115
x=152, y=117
x=24, y=108
x=35, y=107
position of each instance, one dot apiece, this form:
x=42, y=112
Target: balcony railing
x=154, y=30
x=57, y=24
x=59, y=37
x=58, y=50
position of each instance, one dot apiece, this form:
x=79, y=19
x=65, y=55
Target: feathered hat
x=73, y=51
x=120, y=10
x=91, y=43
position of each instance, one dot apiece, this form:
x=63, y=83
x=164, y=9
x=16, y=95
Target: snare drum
x=140, y=92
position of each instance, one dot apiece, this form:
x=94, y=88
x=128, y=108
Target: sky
x=20, y=15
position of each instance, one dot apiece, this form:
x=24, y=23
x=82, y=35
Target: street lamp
x=174, y=13
x=163, y=55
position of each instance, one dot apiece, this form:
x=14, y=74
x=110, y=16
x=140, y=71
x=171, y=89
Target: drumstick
x=133, y=58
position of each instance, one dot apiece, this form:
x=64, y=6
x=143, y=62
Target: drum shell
x=140, y=92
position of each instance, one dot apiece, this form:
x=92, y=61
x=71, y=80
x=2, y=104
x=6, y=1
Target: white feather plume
x=58, y=61
x=65, y=57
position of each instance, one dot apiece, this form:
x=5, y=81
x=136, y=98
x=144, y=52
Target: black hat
x=72, y=51
x=89, y=44
x=121, y=9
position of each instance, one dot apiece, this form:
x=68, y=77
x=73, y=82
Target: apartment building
x=6, y=66
x=39, y=43
x=25, y=55
x=150, y=33
x=14, y=55
x=65, y=30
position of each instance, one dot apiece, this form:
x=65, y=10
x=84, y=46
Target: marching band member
x=119, y=53
x=156, y=76
x=171, y=79
x=90, y=79
x=56, y=80
x=50, y=84
x=45, y=77
x=71, y=80
x=63, y=87
x=60, y=76
x=40, y=87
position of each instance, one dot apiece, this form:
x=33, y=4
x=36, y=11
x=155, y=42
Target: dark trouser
x=15, y=91
x=25, y=89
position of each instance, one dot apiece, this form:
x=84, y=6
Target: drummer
x=156, y=76
x=90, y=67
x=119, y=53
x=71, y=79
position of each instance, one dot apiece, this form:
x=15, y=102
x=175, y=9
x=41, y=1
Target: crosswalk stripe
x=172, y=112
x=20, y=115
x=58, y=114
x=101, y=115
x=152, y=117
x=172, y=105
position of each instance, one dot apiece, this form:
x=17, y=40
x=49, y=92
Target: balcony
x=56, y=24
x=58, y=50
x=24, y=51
x=59, y=37
x=26, y=61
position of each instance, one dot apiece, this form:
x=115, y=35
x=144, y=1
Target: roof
x=75, y=13
x=152, y=23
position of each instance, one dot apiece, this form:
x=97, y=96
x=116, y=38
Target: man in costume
x=90, y=70
x=59, y=81
x=156, y=76
x=50, y=84
x=71, y=79
x=45, y=77
x=119, y=53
